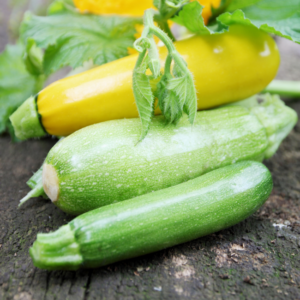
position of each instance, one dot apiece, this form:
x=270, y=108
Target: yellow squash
x=227, y=67
x=132, y=7
x=119, y=7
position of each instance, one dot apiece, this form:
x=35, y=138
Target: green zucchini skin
x=151, y=222
x=103, y=164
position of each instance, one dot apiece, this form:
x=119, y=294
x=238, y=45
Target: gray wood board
x=252, y=260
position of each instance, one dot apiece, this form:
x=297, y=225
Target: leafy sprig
x=167, y=9
x=191, y=17
x=175, y=91
x=16, y=84
x=70, y=39
x=273, y=16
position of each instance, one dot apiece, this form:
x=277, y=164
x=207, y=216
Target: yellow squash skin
x=132, y=7
x=120, y=7
x=226, y=68
x=206, y=11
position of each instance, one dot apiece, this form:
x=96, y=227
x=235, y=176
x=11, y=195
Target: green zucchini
x=103, y=164
x=151, y=222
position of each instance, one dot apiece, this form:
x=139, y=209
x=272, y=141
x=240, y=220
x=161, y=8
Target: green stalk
x=151, y=28
x=284, y=88
x=140, y=59
x=40, y=81
x=165, y=27
x=177, y=96
x=168, y=66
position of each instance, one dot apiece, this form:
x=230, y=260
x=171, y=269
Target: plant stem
x=145, y=44
x=140, y=59
x=168, y=66
x=283, y=88
x=40, y=80
x=165, y=39
x=165, y=27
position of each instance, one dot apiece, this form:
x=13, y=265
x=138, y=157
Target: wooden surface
x=252, y=260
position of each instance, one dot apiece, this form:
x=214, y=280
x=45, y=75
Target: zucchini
x=102, y=164
x=155, y=221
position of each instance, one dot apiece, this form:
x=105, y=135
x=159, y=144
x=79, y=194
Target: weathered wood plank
x=252, y=260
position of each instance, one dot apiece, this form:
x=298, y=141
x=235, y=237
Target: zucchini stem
x=57, y=250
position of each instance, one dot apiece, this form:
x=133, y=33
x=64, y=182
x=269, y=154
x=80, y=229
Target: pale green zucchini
x=151, y=222
x=103, y=164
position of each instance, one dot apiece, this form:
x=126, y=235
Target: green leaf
x=71, y=39
x=216, y=11
x=143, y=96
x=177, y=4
x=239, y=4
x=61, y=6
x=16, y=84
x=181, y=89
x=273, y=16
x=33, y=58
x=190, y=17
x=163, y=9
x=184, y=88
x=161, y=92
x=177, y=95
x=157, y=3
x=172, y=109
